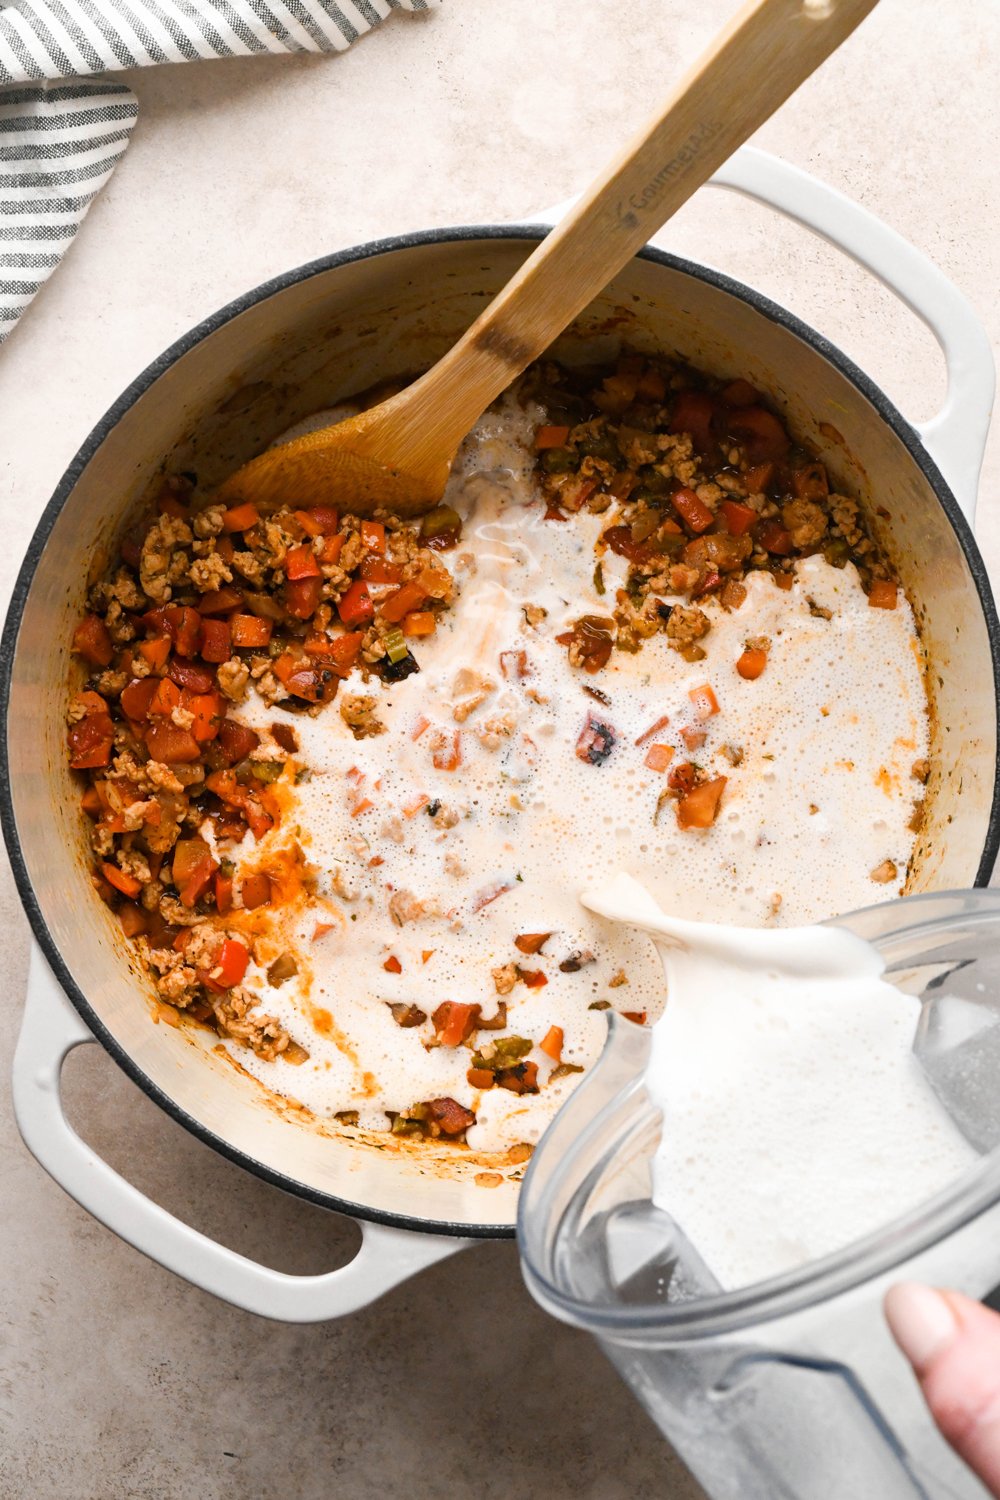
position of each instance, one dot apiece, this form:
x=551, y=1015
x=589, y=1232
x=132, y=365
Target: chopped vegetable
x=752, y=663
x=355, y=607
x=249, y=631
x=454, y=1023
x=595, y=743
x=551, y=437
x=240, y=518
x=704, y=701
x=301, y=562
x=406, y=599
x=127, y=884
x=531, y=942
x=373, y=537
x=882, y=594
x=92, y=641
x=774, y=538
x=552, y=1043
x=392, y=965
x=255, y=891
x=407, y=1016
x=738, y=518
x=700, y=807
x=692, y=510
x=658, y=757
x=590, y=641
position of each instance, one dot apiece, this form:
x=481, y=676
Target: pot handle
x=956, y=437
x=51, y=1028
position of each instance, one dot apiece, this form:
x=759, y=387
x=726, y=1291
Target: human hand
x=953, y=1344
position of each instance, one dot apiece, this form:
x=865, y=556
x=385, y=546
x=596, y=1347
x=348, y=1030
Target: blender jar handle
x=956, y=437
x=50, y=1030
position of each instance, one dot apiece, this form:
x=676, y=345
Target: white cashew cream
x=436, y=871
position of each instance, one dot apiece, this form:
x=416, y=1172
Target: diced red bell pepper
x=774, y=538
x=420, y=622
x=377, y=570
x=90, y=742
x=301, y=562
x=356, y=607
x=454, y=1023
x=249, y=631
x=694, y=412
x=192, y=869
x=392, y=965
x=240, y=517
x=319, y=520
x=230, y=966
x=373, y=537
x=187, y=674
x=399, y=604
x=236, y=740
x=302, y=597
x=692, y=510
x=220, y=601
x=208, y=710
x=172, y=746
x=92, y=641
x=738, y=518
x=535, y=979
x=223, y=893
x=216, y=641
x=181, y=623
x=333, y=546
x=256, y=891
x=137, y=696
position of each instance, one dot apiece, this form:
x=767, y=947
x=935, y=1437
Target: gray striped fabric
x=60, y=141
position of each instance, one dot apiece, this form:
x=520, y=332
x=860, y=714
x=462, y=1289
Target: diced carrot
x=402, y=602
x=784, y=581
x=883, y=594
x=192, y=869
x=693, y=738
x=447, y=756
x=216, y=643
x=356, y=608
x=752, y=663
x=376, y=570
x=301, y=562
x=425, y=954
x=412, y=808
x=155, y=651
x=647, y=734
x=92, y=641
x=166, y=697
x=419, y=727
x=757, y=477
x=420, y=623
x=373, y=537
x=704, y=701
x=173, y=746
x=774, y=538
x=531, y=942
x=535, y=979
x=256, y=891
x=248, y=630
x=220, y=601
x=522, y=1079
x=738, y=518
x=638, y=1016
x=133, y=919
x=91, y=803
x=658, y=757
x=127, y=884
x=208, y=710
x=312, y=524
x=392, y=965
x=181, y=623
x=551, y=437
x=739, y=393
x=362, y=806
x=489, y=895
x=700, y=808
x=333, y=546
x=340, y=651
x=692, y=510
x=480, y=1078
x=240, y=518
x=454, y=1023
x=552, y=1043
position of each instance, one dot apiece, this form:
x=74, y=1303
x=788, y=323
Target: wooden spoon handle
x=769, y=48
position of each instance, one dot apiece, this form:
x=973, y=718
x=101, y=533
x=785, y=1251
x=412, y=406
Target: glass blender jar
x=790, y=1389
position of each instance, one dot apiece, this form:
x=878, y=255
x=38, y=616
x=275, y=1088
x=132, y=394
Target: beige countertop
x=118, y=1382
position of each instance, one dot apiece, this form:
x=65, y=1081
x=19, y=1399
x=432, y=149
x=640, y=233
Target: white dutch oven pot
x=286, y=350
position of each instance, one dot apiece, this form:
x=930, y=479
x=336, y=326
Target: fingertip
x=921, y=1320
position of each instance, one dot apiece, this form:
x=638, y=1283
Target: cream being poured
x=796, y=1118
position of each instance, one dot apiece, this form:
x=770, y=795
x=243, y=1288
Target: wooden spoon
x=398, y=455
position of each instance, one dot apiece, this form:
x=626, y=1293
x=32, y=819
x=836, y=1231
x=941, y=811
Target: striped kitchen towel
x=60, y=141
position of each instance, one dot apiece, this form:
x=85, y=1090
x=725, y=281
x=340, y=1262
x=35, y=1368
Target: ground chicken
x=162, y=776
x=250, y=568
x=469, y=690
x=686, y=625
x=358, y=712
x=534, y=614
x=209, y=522
x=805, y=521
x=210, y=572
x=405, y=907
x=233, y=676
x=504, y=978
x=263, y=1034
x=163, y=563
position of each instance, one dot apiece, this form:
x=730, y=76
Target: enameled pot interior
x=301, y=345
